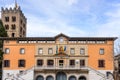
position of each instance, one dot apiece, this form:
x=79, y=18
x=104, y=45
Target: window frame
x=13, y=18
x=22, y=50
x=40, y=50
x=50, y=64
x=41, y=63
x=7, y=19
x=6, y=63
x=21, y=64
x=101, y=63
x=13, y=34
x=7, y=50
x=82, y=63
x=6, y=27
x=102, y=51
x=82, y=51
x=72, y=50
x=72, y=62
x=49, y=50
x=13, y=27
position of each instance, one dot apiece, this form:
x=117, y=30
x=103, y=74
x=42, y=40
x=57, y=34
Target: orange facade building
x=58, y=58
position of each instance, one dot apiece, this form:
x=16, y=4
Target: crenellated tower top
x=15, y=9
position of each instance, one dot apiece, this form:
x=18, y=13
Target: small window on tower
x=24, y=25
x=20, y=29
x=13, y=34
x=13, y=26
x=72, y=50
x=7, y=27
x=21, y=21
x=13, y=19
x=6, y=19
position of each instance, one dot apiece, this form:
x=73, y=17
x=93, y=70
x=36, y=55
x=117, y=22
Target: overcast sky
x=81, y=18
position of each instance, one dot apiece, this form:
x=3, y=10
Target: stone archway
x=72, y=78
x=40, y=77
x=49, y=78
x=82, y=78
x=61, y=76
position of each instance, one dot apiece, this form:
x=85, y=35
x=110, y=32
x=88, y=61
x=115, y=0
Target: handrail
x=58, y=67
x=98, y=73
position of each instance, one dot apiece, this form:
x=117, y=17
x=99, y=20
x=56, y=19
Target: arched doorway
x=82, y=78
x=40, y=78
x=49, y=78
x=61, y=76
x=72, y=78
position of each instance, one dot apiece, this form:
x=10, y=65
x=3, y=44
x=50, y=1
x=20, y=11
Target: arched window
x=61, y=76
x=40, y=78
x=82, y=78
x=13, y=35
x=7, y=27
x=72, y=78
x=49, y=78
x=13, y=26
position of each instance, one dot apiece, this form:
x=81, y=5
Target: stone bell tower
x=14, y=21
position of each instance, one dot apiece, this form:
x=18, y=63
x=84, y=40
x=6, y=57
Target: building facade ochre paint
x=58, y=58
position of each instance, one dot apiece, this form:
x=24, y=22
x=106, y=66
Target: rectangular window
x=6, y=63
x=6, y=19
x=72, y=50
x=101, y=63
x=82, y=63
x=22, y=51
x=13, y=26
x=40, y=51
x=82, y=51
x=72, y=62
x=101, y=51
x=50, y=51
x=39, y=62
x=21, y=63
x=7, y=50
x=50, y=62
x=13, y=19
x=7, y=27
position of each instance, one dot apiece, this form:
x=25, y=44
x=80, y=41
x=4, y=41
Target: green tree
x=3, y=33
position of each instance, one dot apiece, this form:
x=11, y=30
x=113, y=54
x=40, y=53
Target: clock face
x=61, y=39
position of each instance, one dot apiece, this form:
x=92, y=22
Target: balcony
x=59, y=68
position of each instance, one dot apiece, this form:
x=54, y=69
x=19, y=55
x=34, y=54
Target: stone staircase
x=20, y=76
x=25, y=74
x=103, y=76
